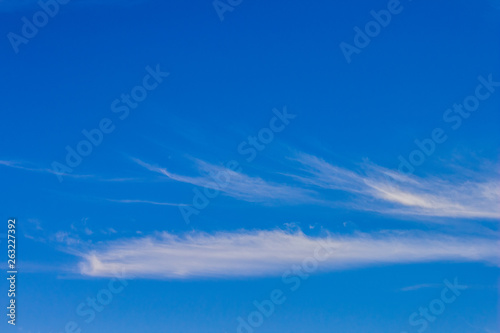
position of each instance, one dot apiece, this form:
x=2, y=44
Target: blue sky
x=312, y=199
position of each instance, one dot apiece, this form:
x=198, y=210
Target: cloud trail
x=270, y=253
x=387, y=191
x=238, y=185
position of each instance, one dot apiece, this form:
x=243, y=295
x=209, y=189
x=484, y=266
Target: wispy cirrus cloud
x=387, y=191
x=421, y=286
x=237, y=184
x=270, y=253
x=372, y=188
x=30, y=167
x=157, y=203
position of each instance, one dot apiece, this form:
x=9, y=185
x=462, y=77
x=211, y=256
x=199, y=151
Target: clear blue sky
x=307, y=139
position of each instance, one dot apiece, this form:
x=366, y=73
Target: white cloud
x=36, y=223
x=399, y=194
x=264, y=253
x=421, y=286
x=66, y=238
x=27, y=167
x=237, y=185
x=146, y=202
x=374, y=188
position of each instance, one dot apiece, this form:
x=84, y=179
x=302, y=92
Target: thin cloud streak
x=374, y=188
x=421, y=286
x=25, y=167
x=146, y=202
x=29, y=167
x=270, y=253
x=237, y=185
x=395, y=193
